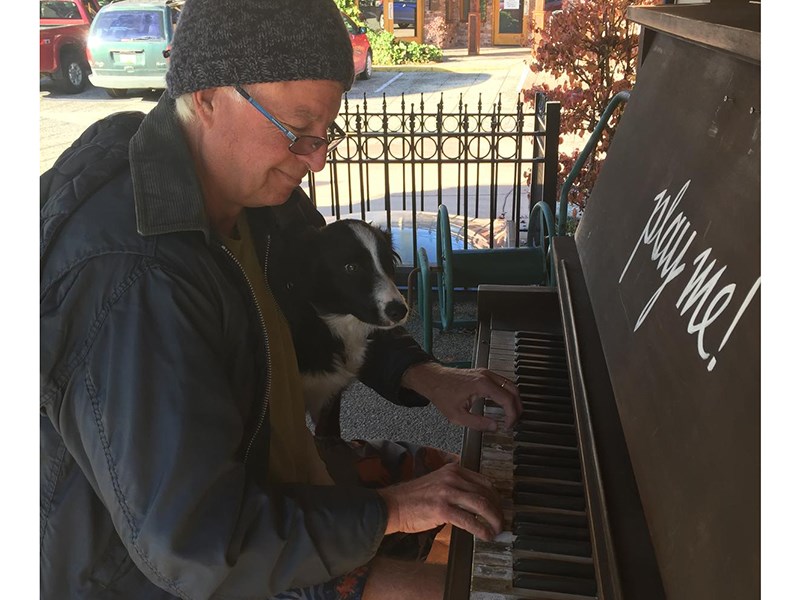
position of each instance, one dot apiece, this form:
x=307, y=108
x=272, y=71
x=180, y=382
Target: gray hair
x=184, y=105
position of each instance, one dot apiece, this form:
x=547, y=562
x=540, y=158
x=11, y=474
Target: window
x=59, y=10
x=120, y=25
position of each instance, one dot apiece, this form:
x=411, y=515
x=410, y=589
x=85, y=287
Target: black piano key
x=550, y=501
x=547, y=472
x=554, y=383
x=549, y=487
x=551, y=407
x=539, y=460
x=542, y=393
x=564, y=585
x=523, y=354
x=545, y=427
x=553, y=546
x=536, y=437
x=537, y=359
x=546, y=416
x=549, y=566
x=542, y=352
x=578, y=521
x=557, y=531
x=520, y=452
x=550, y=335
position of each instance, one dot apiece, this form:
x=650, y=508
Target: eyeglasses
x=299, y=144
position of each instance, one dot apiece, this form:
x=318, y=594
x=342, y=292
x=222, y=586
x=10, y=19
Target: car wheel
x=380, y=22
x=116, y=93
x=367, y=72
x=74, y=72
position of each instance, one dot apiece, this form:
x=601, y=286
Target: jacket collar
x=166, y=190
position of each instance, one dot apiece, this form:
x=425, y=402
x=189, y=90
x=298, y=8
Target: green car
x=127, y=43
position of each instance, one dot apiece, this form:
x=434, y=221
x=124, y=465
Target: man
x=174, y=457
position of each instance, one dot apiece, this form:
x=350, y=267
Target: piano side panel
x=686, y=374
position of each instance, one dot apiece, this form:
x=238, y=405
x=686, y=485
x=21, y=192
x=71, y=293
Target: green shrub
x=388, y=50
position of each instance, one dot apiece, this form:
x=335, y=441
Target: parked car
x=127, y=45
x=362, y=52
x=405, y=14
x=372, y=13
x=63, y=30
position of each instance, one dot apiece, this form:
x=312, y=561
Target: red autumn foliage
x=590, y=49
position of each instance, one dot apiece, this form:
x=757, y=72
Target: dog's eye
x=351, y=267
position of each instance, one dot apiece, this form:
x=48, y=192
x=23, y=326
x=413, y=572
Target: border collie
x=340, y=290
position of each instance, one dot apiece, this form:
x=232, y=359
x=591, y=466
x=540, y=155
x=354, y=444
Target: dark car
x=405, y=14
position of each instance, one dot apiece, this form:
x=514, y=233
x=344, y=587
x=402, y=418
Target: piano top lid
x=733, y=27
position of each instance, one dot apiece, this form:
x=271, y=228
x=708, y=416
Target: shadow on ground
x=366, y=415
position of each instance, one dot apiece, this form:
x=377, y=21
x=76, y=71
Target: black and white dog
x=340, y=289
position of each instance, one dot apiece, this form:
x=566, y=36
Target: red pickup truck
x=63, y=30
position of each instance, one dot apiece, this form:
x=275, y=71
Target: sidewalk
x=457, y=60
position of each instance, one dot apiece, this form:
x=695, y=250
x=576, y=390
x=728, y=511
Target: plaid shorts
x=374, y=464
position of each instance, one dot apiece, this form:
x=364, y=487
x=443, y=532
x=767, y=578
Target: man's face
x=246, y=158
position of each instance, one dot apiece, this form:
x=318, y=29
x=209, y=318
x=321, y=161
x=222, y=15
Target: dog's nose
x=396, y=310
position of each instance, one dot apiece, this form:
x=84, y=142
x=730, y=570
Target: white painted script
x=666, y=233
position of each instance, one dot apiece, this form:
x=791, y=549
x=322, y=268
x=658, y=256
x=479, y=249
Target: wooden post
x=474, y=28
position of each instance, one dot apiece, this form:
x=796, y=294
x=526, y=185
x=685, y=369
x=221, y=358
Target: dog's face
x=353, y=274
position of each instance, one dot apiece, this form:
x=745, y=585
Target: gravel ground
x=366, y=415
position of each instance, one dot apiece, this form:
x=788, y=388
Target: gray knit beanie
x=226, y=42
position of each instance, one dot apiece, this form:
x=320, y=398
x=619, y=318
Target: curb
x=454, y=67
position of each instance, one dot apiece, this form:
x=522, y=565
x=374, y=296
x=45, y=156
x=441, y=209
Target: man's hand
x=450, y=494
x=454, y=391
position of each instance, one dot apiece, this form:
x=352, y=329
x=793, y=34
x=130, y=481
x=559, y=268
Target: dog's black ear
x=387, y=234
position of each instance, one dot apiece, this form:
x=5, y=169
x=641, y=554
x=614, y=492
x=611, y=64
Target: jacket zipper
x=267, y=386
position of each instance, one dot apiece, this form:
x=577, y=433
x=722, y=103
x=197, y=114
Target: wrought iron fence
x=488, y=165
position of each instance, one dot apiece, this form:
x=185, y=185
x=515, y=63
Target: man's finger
x=473, y=522
x=507, y=397
x=476, y=422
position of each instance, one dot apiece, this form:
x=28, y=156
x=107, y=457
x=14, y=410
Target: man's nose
x=316, y=160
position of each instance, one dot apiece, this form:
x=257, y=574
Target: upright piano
x=634, y=470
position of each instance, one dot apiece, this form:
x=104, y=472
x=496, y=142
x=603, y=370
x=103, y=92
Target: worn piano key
x=570, y=585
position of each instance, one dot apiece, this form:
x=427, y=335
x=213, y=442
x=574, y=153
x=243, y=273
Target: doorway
x=508, y=23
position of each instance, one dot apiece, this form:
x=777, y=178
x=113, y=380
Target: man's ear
x=206, y=104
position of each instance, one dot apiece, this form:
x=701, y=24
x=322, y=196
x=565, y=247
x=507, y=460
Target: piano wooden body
x=634, y=472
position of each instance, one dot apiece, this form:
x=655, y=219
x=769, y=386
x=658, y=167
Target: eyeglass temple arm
x=258, y=107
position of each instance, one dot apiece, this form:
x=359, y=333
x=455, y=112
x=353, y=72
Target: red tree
x=589, y=49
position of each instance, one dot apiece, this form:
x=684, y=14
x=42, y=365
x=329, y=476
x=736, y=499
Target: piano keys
x=634, y=472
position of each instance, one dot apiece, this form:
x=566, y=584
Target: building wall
x=446, y=24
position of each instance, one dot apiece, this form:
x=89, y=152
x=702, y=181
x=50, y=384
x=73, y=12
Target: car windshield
x=59, y=10
x=117, y=26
